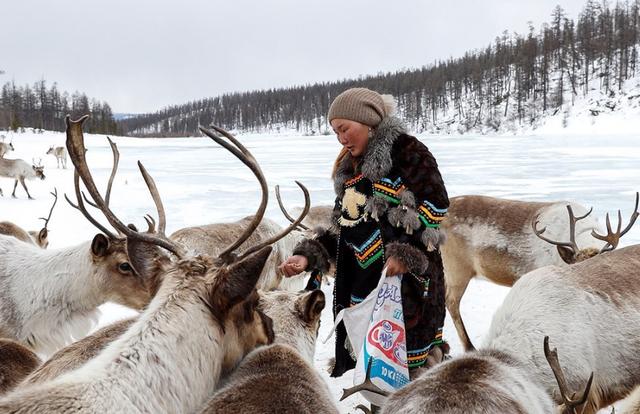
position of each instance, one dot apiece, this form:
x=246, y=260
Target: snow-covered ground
x=203, y=183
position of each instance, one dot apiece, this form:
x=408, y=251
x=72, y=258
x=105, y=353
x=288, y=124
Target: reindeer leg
x=456, y=284
x=25, y=188
x=14, y=189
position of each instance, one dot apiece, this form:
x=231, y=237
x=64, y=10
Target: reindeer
x=631, y=404
x=39, y=238
x=295, y=316
x=61, y=155
x=50, y=297
x=4, y=148
x=16, y=362
x=495, y=238
x=591, y=310
x=20, y=170
x=173, y=355
x=486, y=381
x=280, y=378
x=210, y=237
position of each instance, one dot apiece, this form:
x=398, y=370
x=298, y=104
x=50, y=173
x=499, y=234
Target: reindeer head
x=38, y=169
x=296, y=317
x=10, y=146
x=223, y=286
x=570, y=252
x=50, y=150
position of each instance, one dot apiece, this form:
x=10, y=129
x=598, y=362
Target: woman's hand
x=395, y=267
x=294, y=265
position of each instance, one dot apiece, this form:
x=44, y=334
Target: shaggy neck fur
x=167, y=362
x=376, y=162
x=48, y=297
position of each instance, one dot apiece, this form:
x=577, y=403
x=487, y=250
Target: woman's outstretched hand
x=294, y=265
x=395, y=267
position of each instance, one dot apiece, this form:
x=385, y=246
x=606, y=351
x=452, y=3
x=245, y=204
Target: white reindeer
x=591, y=312
x=61, y=155
x=20, y=170
x=280, y=378
x=4, y=148
x=172, y=356
x=295, y=319
x=495, y=238
x=51, y=297
x=39, y=238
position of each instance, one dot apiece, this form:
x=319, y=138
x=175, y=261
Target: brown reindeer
x=486, y=381
x=296, y=318
x=500, y=240
x=16, y=362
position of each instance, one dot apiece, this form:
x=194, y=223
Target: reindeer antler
x=243, y=154
x=569, y=402
x=55, y=200
x=571, y=244
x=76, y=148
x=612, y=238
x=367, y=385
x=284, y=210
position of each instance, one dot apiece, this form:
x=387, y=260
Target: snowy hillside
x=202, y=183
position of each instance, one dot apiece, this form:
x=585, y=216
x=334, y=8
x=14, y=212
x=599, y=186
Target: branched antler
x=367, y=385
x=76, y=148
x=612, y=238
x=571, y=244
x=570, y=402
x=55, y=200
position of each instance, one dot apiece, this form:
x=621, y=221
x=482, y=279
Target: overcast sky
x=142, y=55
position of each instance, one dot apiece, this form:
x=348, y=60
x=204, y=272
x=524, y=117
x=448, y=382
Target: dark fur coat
x=390, y=202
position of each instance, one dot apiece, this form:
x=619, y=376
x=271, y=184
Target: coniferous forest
x=44, y=108
x=518, y=79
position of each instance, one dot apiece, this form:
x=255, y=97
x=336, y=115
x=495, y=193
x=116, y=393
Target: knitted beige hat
x=361, y=105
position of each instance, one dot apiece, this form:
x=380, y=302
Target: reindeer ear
x=144, y=258
x=311, y=305
x=100, y=245
x=42, y=235
x=566, y=254
x=241, y=277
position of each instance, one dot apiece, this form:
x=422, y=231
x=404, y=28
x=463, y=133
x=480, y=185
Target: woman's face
x=353, y=135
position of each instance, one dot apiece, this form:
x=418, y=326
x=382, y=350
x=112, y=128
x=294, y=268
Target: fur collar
x=376, y=162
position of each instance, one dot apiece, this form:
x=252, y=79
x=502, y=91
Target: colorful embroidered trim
x=355, y=300
x=418, y=357
x=389, y=190
x=354, y=180
x=430, y=215
x=369, y=251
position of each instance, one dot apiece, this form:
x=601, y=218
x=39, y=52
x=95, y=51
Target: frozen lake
x=202, y=183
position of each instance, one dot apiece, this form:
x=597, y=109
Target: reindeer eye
x=125, y=267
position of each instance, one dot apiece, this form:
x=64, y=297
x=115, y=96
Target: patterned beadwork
x=389, y=190
x=430, y=215
x=417, y=357
x=354, y=180
x=369, y=251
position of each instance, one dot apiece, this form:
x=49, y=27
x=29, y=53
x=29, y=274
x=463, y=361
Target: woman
x=390, y=202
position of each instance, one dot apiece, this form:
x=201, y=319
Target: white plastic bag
x=375, y=328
